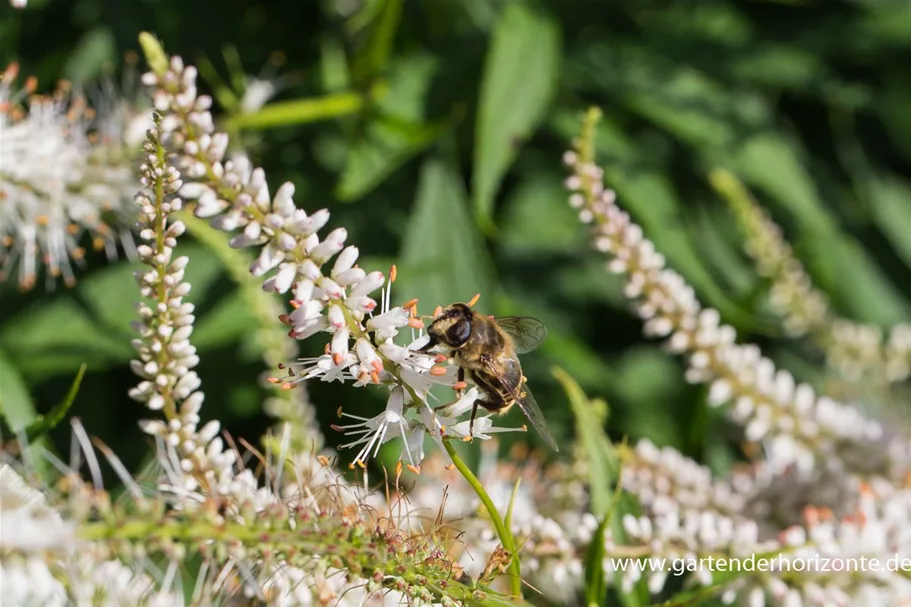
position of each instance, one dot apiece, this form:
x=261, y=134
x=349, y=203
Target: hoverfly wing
x=533, y=412
x=526, y=332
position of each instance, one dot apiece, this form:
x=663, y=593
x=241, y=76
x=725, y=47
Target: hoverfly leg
x=460, y=380
x=474, y=412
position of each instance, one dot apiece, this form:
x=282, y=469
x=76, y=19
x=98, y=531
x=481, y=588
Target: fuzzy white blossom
x=66, y=177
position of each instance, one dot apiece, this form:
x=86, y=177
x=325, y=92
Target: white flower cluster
x=166, y=356
x=330, y=292
x=41, y=566
x=859, y=350
x=65, y=176
x=796, y=426
x=43, y=563
x=688, y=515
x=830, y=483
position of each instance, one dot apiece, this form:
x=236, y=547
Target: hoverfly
x=486, y=348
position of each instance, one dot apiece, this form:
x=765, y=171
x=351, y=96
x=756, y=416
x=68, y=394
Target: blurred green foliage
x=434, y=129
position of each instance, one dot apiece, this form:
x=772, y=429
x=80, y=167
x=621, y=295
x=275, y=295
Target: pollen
x=323, y=460
x=337, y=358
x=339, y=411
x=437, y=370
x=440, y=358
x=412, y=305
x=295, y=304
x=274, y=380
x=392, y=273
x=375, y=377
x=459, y=385
x=287, y=386
x=415, y=323
x=415, y=469
x=437, y=311
x=474, y=300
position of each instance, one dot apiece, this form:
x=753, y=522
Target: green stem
x=300, y=111
x=506, y=538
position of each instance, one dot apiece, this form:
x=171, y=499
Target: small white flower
x=375, y=431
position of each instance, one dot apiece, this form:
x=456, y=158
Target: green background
x=433, y=130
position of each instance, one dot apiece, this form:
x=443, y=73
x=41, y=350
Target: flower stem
x=505, y=534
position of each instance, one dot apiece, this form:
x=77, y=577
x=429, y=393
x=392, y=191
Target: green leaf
x=595, y=581
x=110, y=295
x=229, y=320
x=646, y=376
x=863, y=287
x=770, y=163
x=779, y=66
x=443, y=256
x=57, y=336
x=525, y=230
x=687, y=103
x=16, y=405
x=604, y=468
x=720, y=244
x=482, y=13
x=519, y=81
x=507, y=520
x=375, y=54
x=891, y=109
x=387, y=146
x=405, y=92
x=334, y=65
x=397, y=133
x=45, y=423
x=95, y=53
x=890, y=202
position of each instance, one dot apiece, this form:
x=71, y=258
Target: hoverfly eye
x=458, y=333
